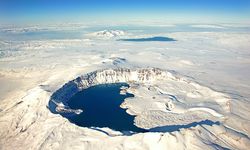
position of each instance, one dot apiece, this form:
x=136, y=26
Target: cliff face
x=141, y=75
x=120, y=75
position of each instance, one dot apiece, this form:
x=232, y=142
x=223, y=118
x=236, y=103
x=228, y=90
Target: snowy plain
x=200, y=100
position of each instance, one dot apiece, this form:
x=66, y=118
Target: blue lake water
x=58, y=32
x=101, y=108
x=150, y=39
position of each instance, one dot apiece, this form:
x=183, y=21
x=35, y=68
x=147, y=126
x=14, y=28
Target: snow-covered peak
x=109, y=33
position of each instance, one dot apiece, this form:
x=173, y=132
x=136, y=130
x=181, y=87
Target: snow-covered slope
x=157, y=82
x=189, y=94
x=108, y=33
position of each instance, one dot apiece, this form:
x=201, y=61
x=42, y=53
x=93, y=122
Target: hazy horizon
x=120, y=12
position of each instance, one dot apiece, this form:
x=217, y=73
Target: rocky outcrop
x=140, y=75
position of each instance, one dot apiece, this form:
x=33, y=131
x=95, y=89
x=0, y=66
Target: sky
x=171, y=11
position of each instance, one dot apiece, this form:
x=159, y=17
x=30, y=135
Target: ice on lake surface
x=101, y=108
x=207, y=82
